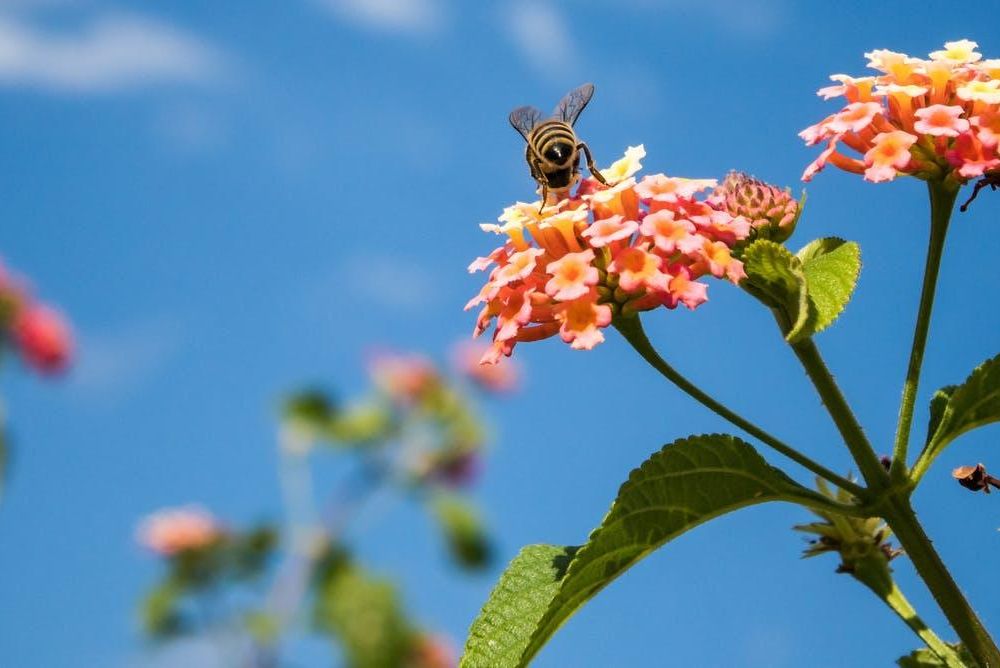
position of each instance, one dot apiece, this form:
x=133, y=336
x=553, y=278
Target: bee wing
x=573, y=103
x=524, y=120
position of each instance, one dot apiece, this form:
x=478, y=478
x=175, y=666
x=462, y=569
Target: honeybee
x=553, y=151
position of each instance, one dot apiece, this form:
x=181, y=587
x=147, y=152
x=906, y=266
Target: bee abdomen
x=554, y=141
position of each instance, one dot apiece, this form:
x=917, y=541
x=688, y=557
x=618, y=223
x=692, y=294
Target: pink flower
x=940, y=121
x=43, y=338
x=914, y=117
x=609, y=230
x=890, y=153
x=669, y=234
x=572, y=276
x=171, y=531
x=405, y=378
x=582, y=321
x=602, y=251
x=431, y=651
x=499, y=378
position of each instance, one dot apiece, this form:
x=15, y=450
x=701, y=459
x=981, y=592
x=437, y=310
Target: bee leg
x=536, y=171
x=596, y=173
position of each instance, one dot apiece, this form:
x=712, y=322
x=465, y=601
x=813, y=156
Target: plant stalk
x=843, y=417
x=874, y=573
x=631, y=328
x=900, y=517
x=942, y=199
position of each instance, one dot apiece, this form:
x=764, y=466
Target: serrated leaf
x=776, y=277
x=958, y=409
x=503, y=628
x=686, y=483
x=831, y=268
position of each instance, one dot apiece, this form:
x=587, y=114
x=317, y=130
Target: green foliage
x=232, y=558
x=688, y=482
x=463, y=530
x=927, y=658
x=309, y=410
x=957, y=409
x=361, y=424
x=500, y=634
x=807, y=290
x=832, y=267
x=362, y=612
x=160, y=613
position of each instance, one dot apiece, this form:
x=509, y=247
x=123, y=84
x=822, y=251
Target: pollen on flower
x=924, y=108
x=608, y=250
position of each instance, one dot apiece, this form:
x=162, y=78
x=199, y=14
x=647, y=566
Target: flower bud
x=43, y=338
x=861, y=542
x=772, y=212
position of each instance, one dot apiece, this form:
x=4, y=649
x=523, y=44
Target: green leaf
x=938, y=403
x=776, y=277
x=927, y=658
x=463, y=530
x=831, y=267
x=501, y=633
x=361, y=425
x=363, y=614
x=688, y=482
x=310, y=411
x=956, y=410
x=160, y=613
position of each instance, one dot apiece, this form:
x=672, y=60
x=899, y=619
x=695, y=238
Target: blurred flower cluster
x=416, y=433
x=926, y=118
x=570, y=267
x=37, y=331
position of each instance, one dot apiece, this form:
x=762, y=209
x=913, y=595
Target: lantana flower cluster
x=37, y=331
x=174, y=530
x=926, y=118
x=636, y=245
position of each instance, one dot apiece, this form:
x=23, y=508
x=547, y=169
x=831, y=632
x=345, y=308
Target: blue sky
x=233, y=199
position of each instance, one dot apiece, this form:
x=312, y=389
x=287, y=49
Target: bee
x=553, y=151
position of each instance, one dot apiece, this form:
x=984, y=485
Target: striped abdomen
x=552, y=150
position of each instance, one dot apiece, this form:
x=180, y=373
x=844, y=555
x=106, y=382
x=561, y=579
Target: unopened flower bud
x=860, y=542
x=772, y=212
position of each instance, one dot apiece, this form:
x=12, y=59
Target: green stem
x=874, y=573
x=900, y=517
x=942, y=196
x=631, y=328
x=861, y=449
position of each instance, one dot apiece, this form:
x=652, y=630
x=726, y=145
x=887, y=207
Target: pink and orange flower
x=38, y=332
x=931, y=119
x=635, y=245
x=174, y=530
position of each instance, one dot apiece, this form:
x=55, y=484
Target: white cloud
x=110, y=53
x=540, y=33
x=401, y=16
x=117, y=361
